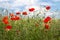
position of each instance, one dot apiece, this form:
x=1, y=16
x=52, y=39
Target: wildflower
x=11, y=14
x=17, y=13
x=24, y=13
x=47, y=19
x=5, y=20
x=17, y=17
x=31, y=9
x=8, y=27
x=48, y=7
x=12, y=18
x=47, y=26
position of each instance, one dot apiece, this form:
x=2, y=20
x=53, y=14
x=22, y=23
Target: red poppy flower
x=5, y=20
x=47, y=19
x=47, y=26
x=17, y=13
x=31, y=9
x=24, y=13
x=12, y=18
x=17, y=17
x=48, y=7
x=8, y=27
x=11, y=14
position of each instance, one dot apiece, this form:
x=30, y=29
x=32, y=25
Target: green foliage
x=27, y=30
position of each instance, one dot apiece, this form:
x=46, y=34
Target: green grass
x=27, y=30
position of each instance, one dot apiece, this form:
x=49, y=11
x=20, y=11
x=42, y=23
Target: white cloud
x=27, y=3
x=24, y=2
x=5, y=5
x=46, y=3
x=19, y=3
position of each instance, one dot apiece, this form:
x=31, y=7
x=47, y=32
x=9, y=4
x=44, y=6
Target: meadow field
x=19, y=26
x=30, y=29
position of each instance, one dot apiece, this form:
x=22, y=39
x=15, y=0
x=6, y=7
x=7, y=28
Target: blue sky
x=23, y=4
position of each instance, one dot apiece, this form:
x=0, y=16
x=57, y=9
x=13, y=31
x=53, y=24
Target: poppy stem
x=28, y=18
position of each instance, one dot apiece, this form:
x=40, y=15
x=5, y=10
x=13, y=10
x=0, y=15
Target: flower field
x=14, y=27
x=30, y=29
